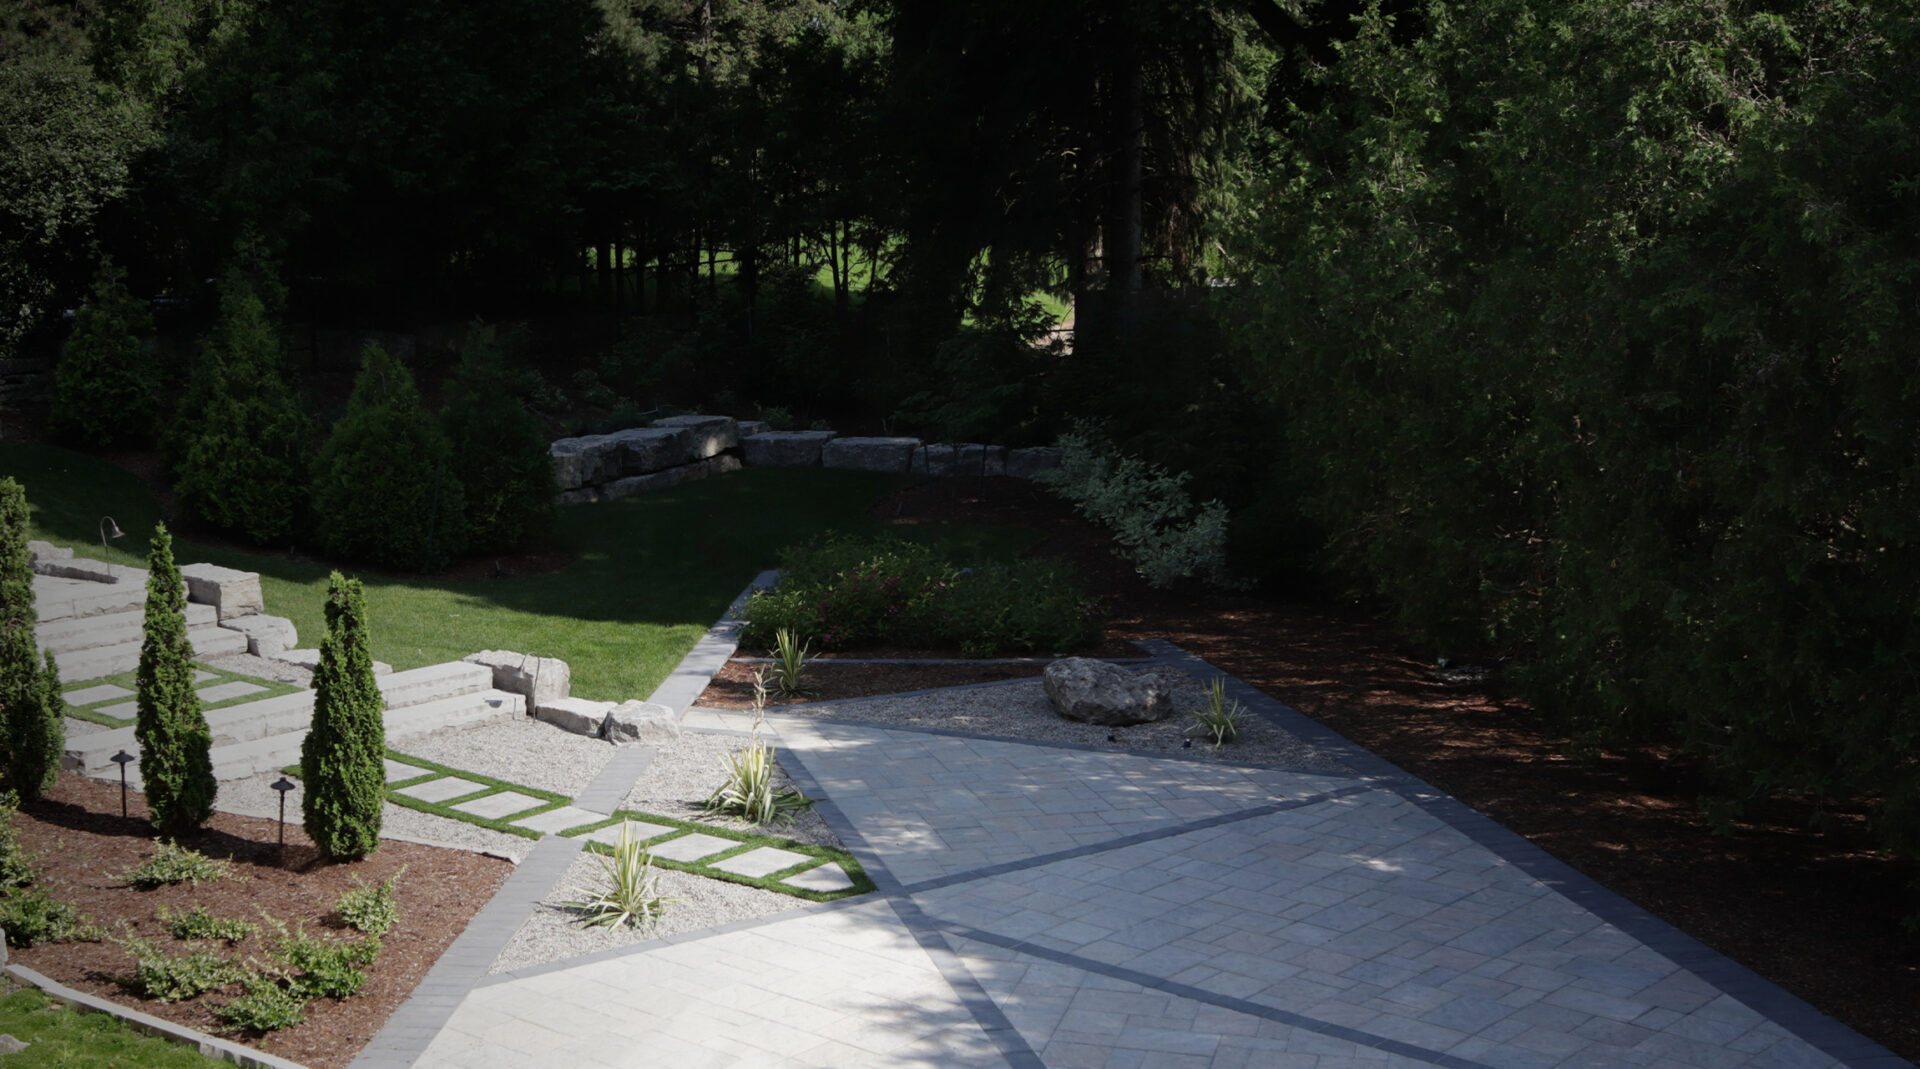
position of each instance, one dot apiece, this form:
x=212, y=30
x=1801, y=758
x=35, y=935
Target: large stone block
x=751, y=427
x=267, y=636
x=47, y=551
x=644, y=450
x=586, y=495
x=970, y=458
x=1027, y=463
x=582, y=716
x=588, y=460
x=638, y=721
x=231, y=593
x=869, y=454
x=710, y=435
x=541, y=679
x=785, y=449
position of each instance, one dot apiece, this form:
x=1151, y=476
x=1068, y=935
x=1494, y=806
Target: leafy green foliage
x=1590, y=318
x=32, y=915
x=168, y=977
x=107, y=385
x=265, y=1006
x=198, y=923
x=323, y=967
x=173, y=863
x=499, y=449
x=341, y=757
x=175, y=742
x=32, y=731
x=370, y=908
x=239, y=440
x=1147, y=509
x=19, y=867
x=847, y=592
x=384, y=486
x=629, y=892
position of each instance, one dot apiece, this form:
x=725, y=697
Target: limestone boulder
x=588, y=460
x=709, y=436
x=785, y=449
x=869, y=454
x=267, y=636
x=232, y=593
x=751, y=427
x=582, y=716
x=540, y=679
x=644, y=450
x=1095, y=692
x=638, y=721
x=967, y=458
x=1027, y=463
x=47, y=551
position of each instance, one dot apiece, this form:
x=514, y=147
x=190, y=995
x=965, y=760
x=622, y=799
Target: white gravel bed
x=1020, y=710
x=254, y=798
x=686, y=771
x=553, y=932
x=518, y=749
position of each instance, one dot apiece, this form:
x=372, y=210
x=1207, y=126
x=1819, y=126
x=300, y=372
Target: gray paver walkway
x=1041, y=906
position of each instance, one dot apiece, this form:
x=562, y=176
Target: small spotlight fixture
x=123, y=758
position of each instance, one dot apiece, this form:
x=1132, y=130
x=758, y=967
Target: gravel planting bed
x=1020, y=710
x=554, y=932
x=682, y=775
x=518, y=749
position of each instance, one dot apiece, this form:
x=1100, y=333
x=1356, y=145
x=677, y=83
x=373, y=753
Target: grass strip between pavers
x=431, y=770
x=748, y=841
x=130, y=681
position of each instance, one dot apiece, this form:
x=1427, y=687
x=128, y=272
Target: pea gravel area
x=1020, y=710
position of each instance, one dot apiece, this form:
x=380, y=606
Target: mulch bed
x=827, y=680
x=84, y=845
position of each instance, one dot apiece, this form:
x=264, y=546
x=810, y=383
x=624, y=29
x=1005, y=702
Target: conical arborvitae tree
x=175, y=742
x=32, y=733
x=342, y=760
x=107, y=386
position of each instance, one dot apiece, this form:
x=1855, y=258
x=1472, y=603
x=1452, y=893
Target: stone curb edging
x=211, y=1046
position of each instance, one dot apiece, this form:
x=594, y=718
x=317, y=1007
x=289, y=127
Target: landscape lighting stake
x=109, y=529
x=283, y=785
x=121, y=759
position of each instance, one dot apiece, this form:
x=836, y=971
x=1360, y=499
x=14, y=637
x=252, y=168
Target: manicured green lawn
x=63, y=1038
x=653, y=571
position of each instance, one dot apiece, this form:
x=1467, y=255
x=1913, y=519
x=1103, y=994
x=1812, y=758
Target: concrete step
x=243, y=759
x=429, y=688
x=55, y=598
x=125, y=657
x=109, y=629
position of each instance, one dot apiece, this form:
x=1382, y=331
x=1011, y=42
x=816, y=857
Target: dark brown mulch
x=1816, y=912
x=84, y=845
x=827, y=680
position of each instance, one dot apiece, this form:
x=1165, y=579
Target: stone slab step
x=243, y=759
x=55, y=598
x=125, y=657
x=418, y=686
x=109, y=629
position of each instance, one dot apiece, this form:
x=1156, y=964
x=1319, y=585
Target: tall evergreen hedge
x=498, y=449
x=342, y=759
x=175, y=742
x=107, y=385
x=32, y=732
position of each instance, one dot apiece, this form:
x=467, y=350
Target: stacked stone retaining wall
x=602, y=467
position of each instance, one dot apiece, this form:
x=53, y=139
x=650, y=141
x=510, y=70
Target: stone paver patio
x=1043, y=905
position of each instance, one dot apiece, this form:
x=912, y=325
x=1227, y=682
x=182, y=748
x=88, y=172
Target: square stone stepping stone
x=760, y=862
x=828, y=877
x=439, y=790
x=693, y=847
x=124, y=709
x=224, y=691
x=103, y=693
x=642, y=831
x=201, y=675
x=555, y=821
x=397, y=771
x=495, y=806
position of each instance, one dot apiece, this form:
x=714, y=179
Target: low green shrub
x=175, y=977
x=370, y=908
x=845, y=593
x=173, y=863
x=31, y=916
x=1147, y=509
x=18, y=866
x=314, y=966
x=197, y=923
x=265, y=1006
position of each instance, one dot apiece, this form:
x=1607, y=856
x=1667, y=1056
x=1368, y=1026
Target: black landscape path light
x=283, y=785
x=121, y=759
x=109, y=529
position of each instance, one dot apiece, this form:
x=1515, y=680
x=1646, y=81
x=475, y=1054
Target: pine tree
x=107, y=387
x=175, y=742
x=32, y=731
x=342, y=758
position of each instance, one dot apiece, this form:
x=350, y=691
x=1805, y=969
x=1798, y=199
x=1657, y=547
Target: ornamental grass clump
x=791, y=664
x=748, y=791
x=629, y=894
x=1223, y=717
